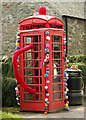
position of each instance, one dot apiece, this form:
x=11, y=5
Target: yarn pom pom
x=42, y=11
x=17, y=92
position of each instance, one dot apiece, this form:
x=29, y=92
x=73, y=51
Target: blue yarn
x=46, y=91
x=46, y=108
x=45, y=52
x=47, y=102
x=48, y=81
x=66, y=69
x=64, y=31
x=58, y=72
x=48, y=52
x=47, y=32
x=65, y=73
x=47, y=72
x=67, y=78
x=46, y=75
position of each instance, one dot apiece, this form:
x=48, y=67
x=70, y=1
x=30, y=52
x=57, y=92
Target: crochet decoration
x=18, y=77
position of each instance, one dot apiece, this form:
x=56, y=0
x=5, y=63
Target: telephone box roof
x=42, y=15
x=41, y=19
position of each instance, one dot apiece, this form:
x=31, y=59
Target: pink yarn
x=47, y=45
x=17, y=92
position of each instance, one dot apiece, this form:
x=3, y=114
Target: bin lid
x=72, y=70
x=76, y=94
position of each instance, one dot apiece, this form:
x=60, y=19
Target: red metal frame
x=37, y=102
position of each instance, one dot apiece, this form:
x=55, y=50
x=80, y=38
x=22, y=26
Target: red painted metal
x=31, y=63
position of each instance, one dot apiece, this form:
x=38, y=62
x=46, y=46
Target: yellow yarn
x=46, y=104
x=66, y=105
x=45, y=112
x=17, y=44
x=73, y=66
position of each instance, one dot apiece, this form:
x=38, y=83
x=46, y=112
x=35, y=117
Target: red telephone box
x=42, y=67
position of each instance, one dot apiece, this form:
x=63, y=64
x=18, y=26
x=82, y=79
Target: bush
x=8, y=92
x=8, y=83
x=77, y=58
x=7, y=67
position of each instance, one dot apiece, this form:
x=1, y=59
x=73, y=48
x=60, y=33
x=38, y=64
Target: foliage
x=9, y=116
x=7, y=67
x=77, y=58
x=8, y=92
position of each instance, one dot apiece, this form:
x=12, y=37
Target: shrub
x=77, y=58
x=8, y=92
x=7, y=67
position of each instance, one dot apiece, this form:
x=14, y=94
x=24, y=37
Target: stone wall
x=75, y=36
x=14, y=12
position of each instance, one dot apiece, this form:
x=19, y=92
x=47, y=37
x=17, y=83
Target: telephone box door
x=32, y=71
x=57, y=70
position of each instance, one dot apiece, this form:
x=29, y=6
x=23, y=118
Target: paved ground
x=74, y=112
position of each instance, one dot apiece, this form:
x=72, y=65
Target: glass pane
x=31, y=86
x=37, y=97
x=24, y=96
x=56, y=87
x=24, y=79
x=56, y=79
x=34, y=80
x=29, y=80
x=56, y=63
x=57, y=96
x=40, y=79
x=56, y=55
x=40, y=88
x=39, y=38
x=32, y=55
x=56, y=71
x=40, y=97
x=35, y=38
x=23, y=45
x=28, y=39
x=55, y=47
x=56, y=39
x=23, y=39
x=29, y=97
x=33, y=64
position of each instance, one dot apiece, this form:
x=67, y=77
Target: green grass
x=9, y=116
x=11, y=108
